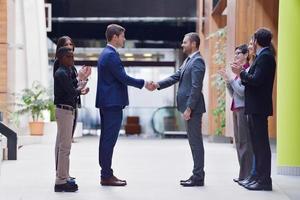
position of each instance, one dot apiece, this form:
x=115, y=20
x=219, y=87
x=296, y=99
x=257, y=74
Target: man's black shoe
x=191, y=183
x=246, y=181
x=259, y=186
x=182, y=181
x=237, y=180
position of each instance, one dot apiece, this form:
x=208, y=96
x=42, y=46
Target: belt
x=65, y=107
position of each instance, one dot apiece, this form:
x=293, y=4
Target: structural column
x=3, y=53
x=3, y=62
x=288, y=88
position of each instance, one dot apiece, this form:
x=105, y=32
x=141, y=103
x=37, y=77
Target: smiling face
x=240, y=57
x=251, y=48
x=187, y=45
x=69, y=44
x=237, y=55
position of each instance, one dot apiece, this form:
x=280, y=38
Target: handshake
x=151, y=86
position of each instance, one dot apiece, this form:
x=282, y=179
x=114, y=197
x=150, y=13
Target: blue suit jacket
x=113, y=80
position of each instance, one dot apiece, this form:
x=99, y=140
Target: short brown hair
x=194, y=37
x=263, y=36
x=113, y=29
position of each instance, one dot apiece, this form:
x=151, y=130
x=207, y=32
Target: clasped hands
x=151, y=86
x=235, y=68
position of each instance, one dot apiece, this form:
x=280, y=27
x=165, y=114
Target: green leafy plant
x=219, y=110
x=217, y=80
x=34, y=100
x=52, y=112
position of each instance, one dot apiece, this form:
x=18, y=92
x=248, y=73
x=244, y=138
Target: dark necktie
x=185, y=65
x=183, y=68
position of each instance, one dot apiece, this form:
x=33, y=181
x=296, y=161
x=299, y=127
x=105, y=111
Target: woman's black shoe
x=66, y=187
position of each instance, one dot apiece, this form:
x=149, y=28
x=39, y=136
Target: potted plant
x=35, y=100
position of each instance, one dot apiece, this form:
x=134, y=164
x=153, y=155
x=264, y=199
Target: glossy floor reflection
x=152, y=168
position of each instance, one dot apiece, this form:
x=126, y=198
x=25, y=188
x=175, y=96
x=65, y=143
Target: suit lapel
x=184, y=66
x=253, y=66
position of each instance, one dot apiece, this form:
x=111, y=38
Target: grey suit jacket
x=237, y=91
x=190, y=77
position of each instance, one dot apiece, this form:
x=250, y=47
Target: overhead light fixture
x=148, y=59
x=130, y=59
x=128, y=54
x=93, y=58
x=90, y=54
x=147, y=54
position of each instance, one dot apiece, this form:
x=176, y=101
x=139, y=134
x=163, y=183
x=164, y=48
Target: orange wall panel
x=243, y=18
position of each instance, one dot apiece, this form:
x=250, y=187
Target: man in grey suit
x=190, y=102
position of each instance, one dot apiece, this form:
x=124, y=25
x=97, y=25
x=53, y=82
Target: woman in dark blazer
x=79, y=79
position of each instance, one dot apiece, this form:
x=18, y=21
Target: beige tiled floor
x=152, y=167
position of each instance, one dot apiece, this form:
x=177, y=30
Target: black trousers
x=194, y=132
x=258, y=125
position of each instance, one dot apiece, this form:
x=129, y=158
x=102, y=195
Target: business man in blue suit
x=111, y=98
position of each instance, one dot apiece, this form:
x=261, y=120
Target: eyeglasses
x=237, y=53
